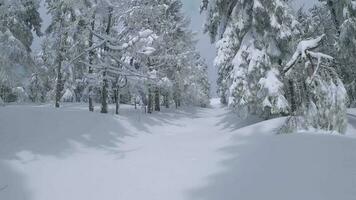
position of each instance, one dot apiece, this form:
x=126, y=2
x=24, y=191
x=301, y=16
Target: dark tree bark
x=292, y=97
x=117, y=100
x=223, y=100
x=166, y=100
x=59, y=84
x=105, y=93
x=91, y=60
x=157, y=100
x=179, y=102
x=150, y=101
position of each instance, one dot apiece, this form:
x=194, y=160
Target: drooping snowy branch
x=304, y=49
x=319, y=56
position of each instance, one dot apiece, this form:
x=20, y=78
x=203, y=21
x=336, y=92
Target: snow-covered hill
x=190, y=154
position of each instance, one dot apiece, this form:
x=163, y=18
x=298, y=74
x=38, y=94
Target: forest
x=116, y=99
x=101, y=52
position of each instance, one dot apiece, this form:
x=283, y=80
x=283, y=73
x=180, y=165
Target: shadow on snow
x=259, y=165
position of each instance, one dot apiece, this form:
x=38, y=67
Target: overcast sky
x=191, y=9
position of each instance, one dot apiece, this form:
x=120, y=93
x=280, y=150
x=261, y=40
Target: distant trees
x=120, y=51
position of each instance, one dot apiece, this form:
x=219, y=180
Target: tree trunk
x=59, y=84
x=91, y=59
x=104, y=95
x=150, y=101
x=176, y=102
x=105, y=92
x=157, y=100
x=292, y=97
x=117, y=100
x=223, y=100
x=166, y=101
x=179, y=103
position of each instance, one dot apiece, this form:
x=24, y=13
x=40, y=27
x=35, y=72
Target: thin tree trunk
x=292, y=97
x=223, y=100
x=176, y=102
x=150, y=101
x=117, y=101
x=91, y=60
x=105, y=93
x=157, y=100
x=59, y=84
x=166, y=101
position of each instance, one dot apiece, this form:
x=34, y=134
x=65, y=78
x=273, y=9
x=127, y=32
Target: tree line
x=96, y=51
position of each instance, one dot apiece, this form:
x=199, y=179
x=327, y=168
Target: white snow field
x=191, y=154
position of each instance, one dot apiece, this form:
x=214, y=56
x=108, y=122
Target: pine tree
x=59, y=33
x=342, y=15
x=253, y=41
x=17, y=21
x=172, y=64
x=322, y=95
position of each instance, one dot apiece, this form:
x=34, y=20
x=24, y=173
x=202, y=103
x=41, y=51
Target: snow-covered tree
x=342, y=18
x=18, y=18
x=109, y=43
x=59, y=36
x=36, y=89
x=254, y=39
x=317, y=93
x=174, y=60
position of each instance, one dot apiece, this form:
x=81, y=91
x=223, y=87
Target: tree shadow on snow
x=230, y=121
x=12, y=185
x=260, y=165
x=56, y=136
x=27, y=130
x=166, y=117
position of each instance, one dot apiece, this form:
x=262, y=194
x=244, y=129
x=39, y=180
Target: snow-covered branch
x=87, y=50
x=303, y=50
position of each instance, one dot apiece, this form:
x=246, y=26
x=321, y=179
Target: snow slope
x=190, y=154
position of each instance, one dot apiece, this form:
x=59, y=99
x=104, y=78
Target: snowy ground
x=191, y=154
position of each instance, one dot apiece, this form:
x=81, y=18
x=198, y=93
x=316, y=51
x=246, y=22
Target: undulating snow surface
x=191, y=154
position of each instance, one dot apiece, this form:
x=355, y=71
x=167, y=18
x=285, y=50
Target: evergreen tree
x=59, y=35
x=17, y=21
x=321, y=95
x=254, y=39
x=342, y=14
